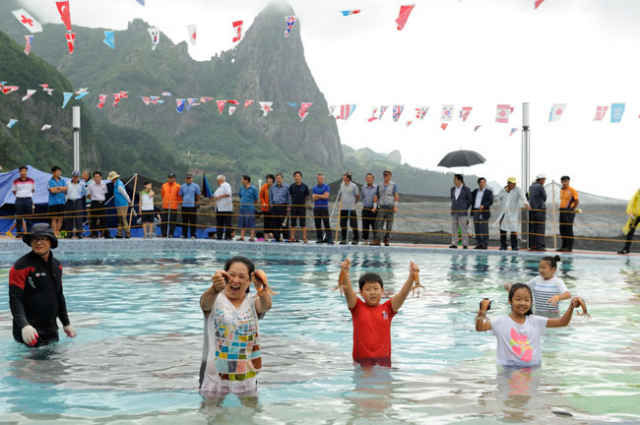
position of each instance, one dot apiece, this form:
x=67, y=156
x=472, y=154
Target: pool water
x=139, y=345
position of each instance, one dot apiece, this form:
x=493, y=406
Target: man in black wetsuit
x=35, y=291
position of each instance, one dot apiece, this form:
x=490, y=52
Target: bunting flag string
x=65, y=14
x=28, y=42
x=617, y=110
x=556, y=111
x=71, y=41
x=193, y=33
x=30, y=93
x=397, y=111
x=601, y=111
x=27, y=20
x=503, y=112
x=154, y=33
x=237, y=26
x=465, y=112
x=103, y=99
x=405, y=11
x=11, y=123
x=291, y=21
x=266, y=108
x=109, y=39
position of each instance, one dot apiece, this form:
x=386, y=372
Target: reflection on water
x=138, y=351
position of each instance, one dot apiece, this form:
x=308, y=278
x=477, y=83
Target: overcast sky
x=477, y=53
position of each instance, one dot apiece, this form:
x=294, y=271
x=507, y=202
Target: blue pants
x=24, y=207
x=481, y=225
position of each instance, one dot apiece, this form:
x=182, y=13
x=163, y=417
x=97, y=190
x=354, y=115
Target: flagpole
x=525, y=151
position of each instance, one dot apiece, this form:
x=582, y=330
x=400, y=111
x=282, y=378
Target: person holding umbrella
x=511, y=200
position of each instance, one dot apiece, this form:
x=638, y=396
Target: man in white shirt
x=74, y=208
x=97, y=192
x=23, y=189
x=224, y=208
x=480, y=210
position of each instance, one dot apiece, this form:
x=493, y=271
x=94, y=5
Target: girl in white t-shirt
x=548, y=289
x=519, y=333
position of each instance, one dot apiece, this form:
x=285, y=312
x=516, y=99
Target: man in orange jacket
x=171, y=200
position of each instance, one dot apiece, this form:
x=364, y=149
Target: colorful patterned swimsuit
x=231, y=349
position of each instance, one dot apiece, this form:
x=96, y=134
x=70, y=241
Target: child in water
x=519, y=333
x=548, y=290
x=372, y=321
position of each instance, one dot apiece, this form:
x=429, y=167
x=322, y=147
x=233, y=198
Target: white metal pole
x=525, y=165
x=76, y=138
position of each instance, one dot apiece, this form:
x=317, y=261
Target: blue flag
x=67, y=97
x=180, y=103
x=206, y=188
x=617, y=110
x=141, y=2
x=109, y=39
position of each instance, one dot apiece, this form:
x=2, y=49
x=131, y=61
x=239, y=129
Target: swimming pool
x=138, y=350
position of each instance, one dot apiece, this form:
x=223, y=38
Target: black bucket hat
x=39, y=230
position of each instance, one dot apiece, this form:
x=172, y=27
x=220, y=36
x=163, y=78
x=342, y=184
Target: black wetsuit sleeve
x=17, y=280
x=62, y=304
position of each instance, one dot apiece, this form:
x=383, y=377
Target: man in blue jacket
x=480, y=210
x=460, y=202
x=122, y=201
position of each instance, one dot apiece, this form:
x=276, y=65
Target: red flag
x=124, y=95
x=405, y=11
x=63, y=8
x=116, y=99
x=247, y=103
x=237, y=25
x=221, y=104
x=71, y=41
x=233, y=102
x=103, y=99
x=537, y=3
x=443, y=126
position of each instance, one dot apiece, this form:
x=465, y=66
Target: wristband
x=556, y=297
x=395, y=204
x=375, y=206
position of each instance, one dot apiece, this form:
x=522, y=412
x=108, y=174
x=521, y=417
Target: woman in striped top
x=548, y=290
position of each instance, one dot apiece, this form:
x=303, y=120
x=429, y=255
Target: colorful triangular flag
x=193, y=33
x=30, y=93
x=405, y=11
x=397, y=111
x=374, y=112
x=237, y=26
x=346, y=111
x=65, y=15
x=266, y=108
x=180, y=105
x=28, y=42
x=502, y=113
x=556, y=111
x=45, y=127
x=71, y=41
x=291, y=21
x=103, y=99
x=536, y=4
x=447, y=113
x=155, y=37
x=110, y=39
x=350, y=12
x=27, y=20
x=247, y=103
x=465, y=112
x=11, y=123
x=601, y=111
x=443, y=126
x=221, y=104
x=383, y=109
x=422, y=112
x=617, y=110
x=513, y=130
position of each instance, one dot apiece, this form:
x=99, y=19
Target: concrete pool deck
x=178, y=244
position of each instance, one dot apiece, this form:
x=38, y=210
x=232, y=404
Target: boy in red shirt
x=372, y=321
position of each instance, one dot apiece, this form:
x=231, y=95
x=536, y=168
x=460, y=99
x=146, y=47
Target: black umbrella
x=461, y=159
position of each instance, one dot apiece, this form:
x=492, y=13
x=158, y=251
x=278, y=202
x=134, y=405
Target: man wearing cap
x=23, y=189
x=569, y=201
x=633, y=211
x=348, y=213
x=170, y=193
x=461, y=200
x=122, y=201
x=97, y=192
x=537, y=214
x=511, y=201
x=35, y=291
x=385, y=205
x=190, y=194
x=57, y=187
x=74, y=209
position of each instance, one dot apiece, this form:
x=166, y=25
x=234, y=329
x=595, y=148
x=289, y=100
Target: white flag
x=27, y=20
x=447, y=113
x=556, y=111
x=192, y=33
x=30, y=93
x=155, y=37
x=266, y=108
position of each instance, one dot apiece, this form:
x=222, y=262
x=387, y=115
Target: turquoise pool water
x=138, y=350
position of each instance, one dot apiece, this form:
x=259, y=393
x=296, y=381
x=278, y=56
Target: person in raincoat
x=633, y=210
x=511, y=201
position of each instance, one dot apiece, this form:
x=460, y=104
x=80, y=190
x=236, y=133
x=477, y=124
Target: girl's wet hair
x=370, y=278
x=240, y=259
x=513, y=290
x=552, y=261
